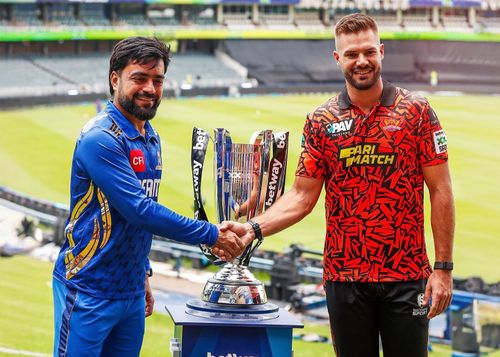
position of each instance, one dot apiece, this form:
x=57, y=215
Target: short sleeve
x=311, y=160
x=433, y=142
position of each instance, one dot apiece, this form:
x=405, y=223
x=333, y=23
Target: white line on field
x=20, y=352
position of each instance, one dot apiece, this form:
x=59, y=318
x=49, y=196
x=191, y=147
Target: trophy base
x=209, y=310
x=234, y=285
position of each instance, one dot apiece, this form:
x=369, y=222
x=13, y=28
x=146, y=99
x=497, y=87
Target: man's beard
x=137, y=111
x=349, y=76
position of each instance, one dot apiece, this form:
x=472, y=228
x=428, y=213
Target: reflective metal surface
x=234, y=285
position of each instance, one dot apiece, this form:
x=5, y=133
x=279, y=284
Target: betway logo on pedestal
x=229, y=355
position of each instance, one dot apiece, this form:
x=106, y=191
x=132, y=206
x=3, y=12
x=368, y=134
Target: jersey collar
x=387, y=99
x=130, y=131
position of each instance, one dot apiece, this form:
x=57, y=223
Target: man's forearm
x=284, y=213
x=443, y=223
x=290, y=208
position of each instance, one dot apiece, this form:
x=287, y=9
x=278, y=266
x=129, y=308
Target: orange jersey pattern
x=371, y=165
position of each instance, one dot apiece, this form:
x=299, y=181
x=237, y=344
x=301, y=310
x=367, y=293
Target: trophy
x=248, y=180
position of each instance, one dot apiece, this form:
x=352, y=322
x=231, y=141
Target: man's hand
x=439, y=287
x=150, y=301
x=243, y=230
x=228, y=245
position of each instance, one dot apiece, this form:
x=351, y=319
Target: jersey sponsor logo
x=440, y=141
x=151, y=187
x=137, y=160
x=340, y=128
x=391, y=125
x=366, y=154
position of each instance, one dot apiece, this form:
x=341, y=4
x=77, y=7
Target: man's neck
x=137, y=123
x=365, y=99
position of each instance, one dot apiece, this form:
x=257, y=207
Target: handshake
x=233, y=238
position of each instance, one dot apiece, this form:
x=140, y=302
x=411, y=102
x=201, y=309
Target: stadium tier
x=61, y=48
x=32, y=20
x=88, y=74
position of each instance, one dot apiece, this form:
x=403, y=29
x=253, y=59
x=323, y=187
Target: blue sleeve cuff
x=214, y=234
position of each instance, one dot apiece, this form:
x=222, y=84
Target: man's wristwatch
x=443, y=265
x=256, y=229
x=149, y=272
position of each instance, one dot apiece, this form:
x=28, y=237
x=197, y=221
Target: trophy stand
x=233, y=316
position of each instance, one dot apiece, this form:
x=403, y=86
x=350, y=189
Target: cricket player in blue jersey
x=100, y=280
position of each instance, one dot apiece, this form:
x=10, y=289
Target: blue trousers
x=89, y=326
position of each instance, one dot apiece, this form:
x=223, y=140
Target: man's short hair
x=355, y=23
x=137, y=50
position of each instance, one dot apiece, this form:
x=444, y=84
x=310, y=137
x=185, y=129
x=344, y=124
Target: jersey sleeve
x=433, y=143
x=311, y=160
x=105, y=160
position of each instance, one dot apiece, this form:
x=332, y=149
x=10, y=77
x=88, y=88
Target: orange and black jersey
x=372, y=168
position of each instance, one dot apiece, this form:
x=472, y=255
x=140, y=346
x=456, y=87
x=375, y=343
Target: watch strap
x=256, y=229
x=443, y=265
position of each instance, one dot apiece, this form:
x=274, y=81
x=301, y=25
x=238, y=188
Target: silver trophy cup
x=248, y=180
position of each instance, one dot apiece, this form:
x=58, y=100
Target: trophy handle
x=200, y=139
x=247, y=254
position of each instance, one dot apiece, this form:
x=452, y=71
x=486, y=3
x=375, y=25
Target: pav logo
x=137, y=160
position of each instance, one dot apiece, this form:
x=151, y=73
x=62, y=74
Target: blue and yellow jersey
x=115, y=178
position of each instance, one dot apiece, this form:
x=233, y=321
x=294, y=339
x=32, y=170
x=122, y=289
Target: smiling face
x=359, y=56
x=138, y=89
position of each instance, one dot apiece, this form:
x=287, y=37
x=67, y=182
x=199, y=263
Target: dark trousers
x=359, y=312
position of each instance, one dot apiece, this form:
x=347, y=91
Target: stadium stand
x=62, y=14
x=388, y=21
x=64, y=45
x=490, y=23
x=24, y=78
x=162, y=16
x=93, y=15
x=309, y=15
x=455, y=62
x=88, y=74
x=27, y=15
x=204, y=16
x=131, y=14
x=456, y=23
x=239, y=20
x=272, y=62
x=418, y=23
x=308, y=20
